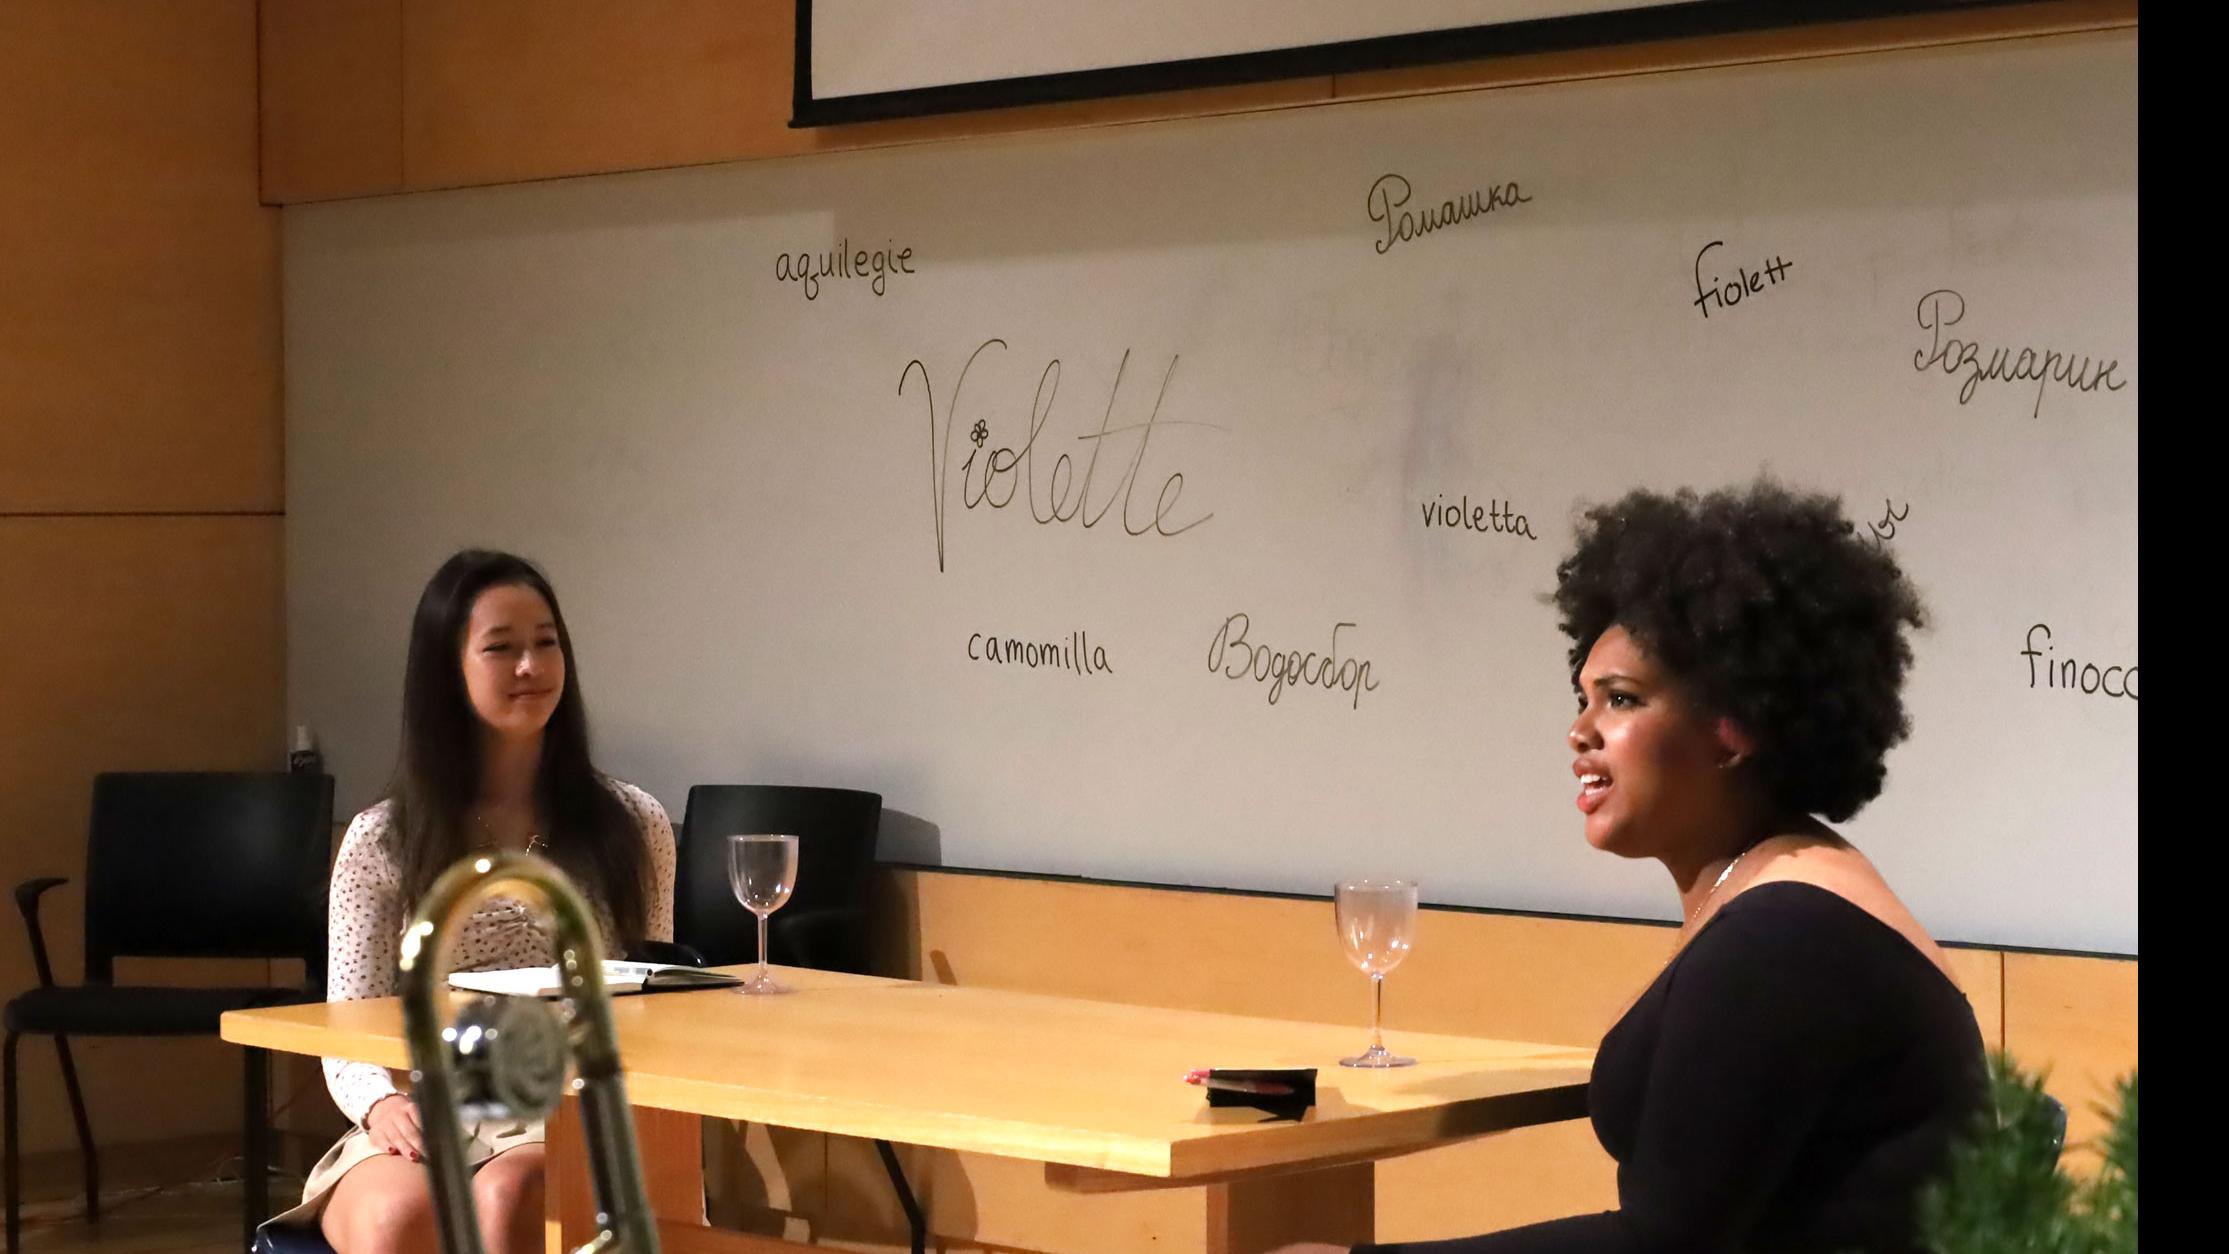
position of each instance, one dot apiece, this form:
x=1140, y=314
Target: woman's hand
x=392, y=1125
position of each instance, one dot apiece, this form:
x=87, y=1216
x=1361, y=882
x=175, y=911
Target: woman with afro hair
x=1796, y=1074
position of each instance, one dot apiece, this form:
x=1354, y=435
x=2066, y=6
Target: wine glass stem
x=762, y=950
x=1377, y=1012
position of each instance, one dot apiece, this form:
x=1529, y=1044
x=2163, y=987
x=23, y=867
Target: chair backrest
x=835, y=830
x=2054, y=1122
x=214, y=864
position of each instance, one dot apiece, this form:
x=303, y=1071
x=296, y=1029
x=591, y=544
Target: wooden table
x=1093, y=1090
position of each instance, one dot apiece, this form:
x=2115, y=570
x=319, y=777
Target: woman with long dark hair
x=494, y=756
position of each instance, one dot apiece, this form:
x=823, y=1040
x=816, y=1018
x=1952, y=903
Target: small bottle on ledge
x=304, y=756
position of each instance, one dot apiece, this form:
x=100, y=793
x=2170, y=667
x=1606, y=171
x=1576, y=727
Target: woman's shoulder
x=648, y=813
x=373, y=827
x=368, y=854
x=1797, y=920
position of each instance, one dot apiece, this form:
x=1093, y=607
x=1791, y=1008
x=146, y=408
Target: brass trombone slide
x=505, y=1057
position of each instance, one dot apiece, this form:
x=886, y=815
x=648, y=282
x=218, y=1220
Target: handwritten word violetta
x=1497, y=517
x=1388, y=199
x=993, y=475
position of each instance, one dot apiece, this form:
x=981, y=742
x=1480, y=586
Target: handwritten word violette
x=1496, y=517
x=1885, y=530
x=1066, y=498
x=1943, y=308
x=1388, y=199
x=1233, y=656
x=1726, y=293
x=1076, y=654
x=875, y=266
x=2062, y=674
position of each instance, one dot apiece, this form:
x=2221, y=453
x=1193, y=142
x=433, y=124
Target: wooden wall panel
x=508, y=90
x=331, y=98
x=127, y=643
x=505, y=90
x=519, y=89
x=139, y=328
x=2076, y=1017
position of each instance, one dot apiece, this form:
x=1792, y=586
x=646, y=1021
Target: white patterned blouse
x=366, y=913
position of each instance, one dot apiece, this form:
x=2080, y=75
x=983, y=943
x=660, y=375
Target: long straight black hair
x=588, y=831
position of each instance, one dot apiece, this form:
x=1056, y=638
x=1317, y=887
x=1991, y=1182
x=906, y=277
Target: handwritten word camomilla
x=1943, y=308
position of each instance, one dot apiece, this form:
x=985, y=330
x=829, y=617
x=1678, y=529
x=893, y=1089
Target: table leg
x=1336, y=1204
x=672, y=1148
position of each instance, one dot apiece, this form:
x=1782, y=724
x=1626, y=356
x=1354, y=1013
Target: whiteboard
x=744, y=460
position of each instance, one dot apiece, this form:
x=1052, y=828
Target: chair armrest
x=672, y=953
x=829, y=939
x=27, y=896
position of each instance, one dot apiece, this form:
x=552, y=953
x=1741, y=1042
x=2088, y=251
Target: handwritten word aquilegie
x=1232, y=656
x=1076, y=654
x=2062, y=673
x=1726, y=293
x=1944, y=308
x=1496, y=518
x=990, y=468
x=875, y=266
x=1389, y=196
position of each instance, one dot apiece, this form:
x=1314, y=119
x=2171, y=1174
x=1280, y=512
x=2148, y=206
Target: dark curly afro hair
x=1770, y=609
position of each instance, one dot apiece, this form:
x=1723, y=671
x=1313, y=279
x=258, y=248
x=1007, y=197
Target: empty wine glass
x=1377, y=924
x=762, y=870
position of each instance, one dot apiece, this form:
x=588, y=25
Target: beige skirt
x=483, y=1140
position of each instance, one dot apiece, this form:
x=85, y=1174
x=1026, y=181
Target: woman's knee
x=390, y=1213
x=508, y=1186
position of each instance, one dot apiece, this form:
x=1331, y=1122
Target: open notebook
x=619, y=977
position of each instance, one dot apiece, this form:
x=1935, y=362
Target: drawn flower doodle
x=980, y=432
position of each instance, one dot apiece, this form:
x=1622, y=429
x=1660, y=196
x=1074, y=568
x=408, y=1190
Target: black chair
x=180, y=865
x=2054, y=1122
x=277, y=1240
x=824, y=923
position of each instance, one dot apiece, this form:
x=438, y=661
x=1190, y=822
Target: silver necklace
x=1714, y=885
x=533, y=839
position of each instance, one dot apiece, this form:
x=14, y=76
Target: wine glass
x=1377, y=924
x=762, y=870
